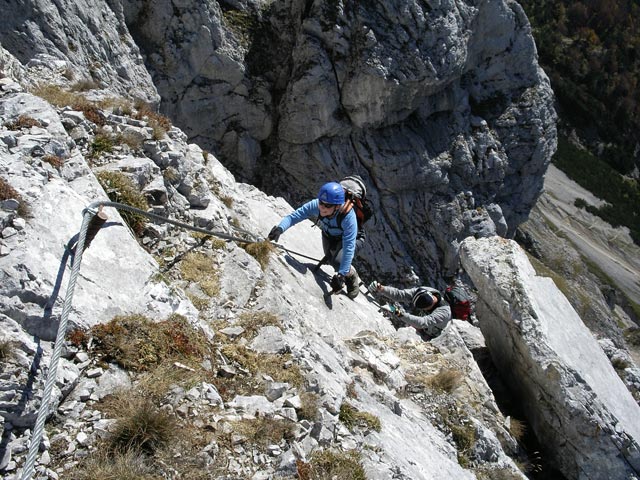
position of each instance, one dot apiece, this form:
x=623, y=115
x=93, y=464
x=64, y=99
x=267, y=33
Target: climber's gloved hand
x=388, y=310
x=374, y=287
x=337, y=282
x=391, y=310
x=275, y=233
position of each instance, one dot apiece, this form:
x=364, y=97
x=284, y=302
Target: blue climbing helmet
x=332, y=193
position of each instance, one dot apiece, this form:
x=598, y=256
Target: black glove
x=337, y=282
x=275, y=233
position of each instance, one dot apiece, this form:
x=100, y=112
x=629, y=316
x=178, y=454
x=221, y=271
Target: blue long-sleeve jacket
x=348, y=230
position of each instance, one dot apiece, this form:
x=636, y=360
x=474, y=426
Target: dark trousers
x=332, y=247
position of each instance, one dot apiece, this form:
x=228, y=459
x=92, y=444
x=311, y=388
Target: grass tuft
x=199, y=268
x=517, y=428
x=117, y=466
x=446, y=380
x=261, y=251
x=23, y=121
x=159, y=123
x=6, y=350
x=264, y=431
x=352, y=418
x=8, y=192
x=254, y=321
x=54, y=160
x=330, y=464
x=309, y=406
x=141, y=427
x=121, y=189
x=137, y=343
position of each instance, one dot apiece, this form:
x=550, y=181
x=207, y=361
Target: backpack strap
x=347, y=206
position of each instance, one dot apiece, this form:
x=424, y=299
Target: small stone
x=82, y=438
x=94, y=372
x=9, y=232
x=82, y=357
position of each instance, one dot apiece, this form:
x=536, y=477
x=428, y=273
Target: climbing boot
x=352, y=282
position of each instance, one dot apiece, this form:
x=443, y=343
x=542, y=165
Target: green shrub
x=101, y=144
x=121, y=189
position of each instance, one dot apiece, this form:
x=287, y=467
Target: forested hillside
x=591, y=51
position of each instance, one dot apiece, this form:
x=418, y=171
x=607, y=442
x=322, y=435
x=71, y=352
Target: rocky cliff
x=441, y=108
x=245, y=366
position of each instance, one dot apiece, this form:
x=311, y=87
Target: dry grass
x=59, y=97
x=157, y=382
x=446, y=380
x=84, y=86
x=121, y=189
x=261, y=251
x=159, y=123
x=201, y=303
x=134, y=142
x=199, y=268
x=309, y=406
x=501, y=473
x=137, y=343
x=517, y=428
x=264, y=431
x=54, y=160
x=228, y=201
x=6, y=350
x=351, y=390
x=8, y=192
x=23, y=121
x=254, y=321
x=141, y=426
x=352, y=418
x=279, y=367
x=330, y=464
x=118, y=466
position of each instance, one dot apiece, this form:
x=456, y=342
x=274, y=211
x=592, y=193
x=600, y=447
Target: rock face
x=441, y=108
x=345, y=350
x=86, y=41
x=577, y=404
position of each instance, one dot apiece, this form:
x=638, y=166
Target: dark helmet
x=422, y=299
x=332, y=193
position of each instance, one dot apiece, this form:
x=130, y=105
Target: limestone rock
x=577, y=404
